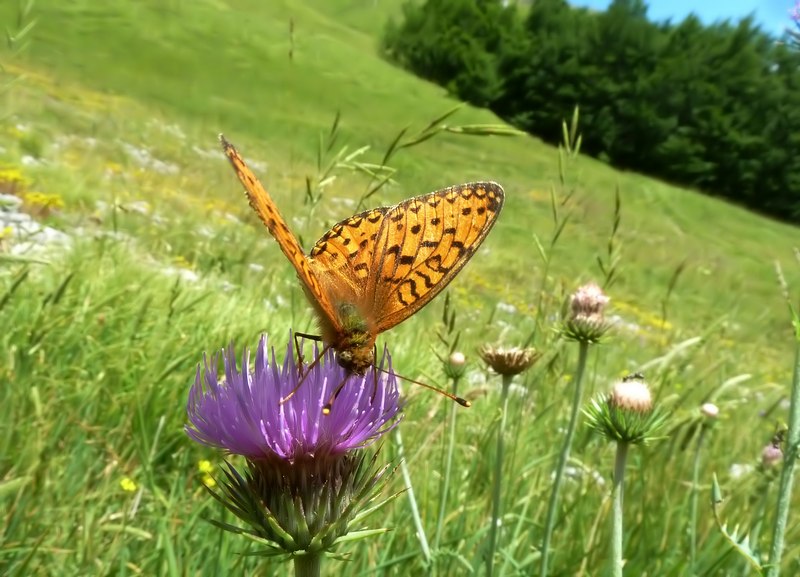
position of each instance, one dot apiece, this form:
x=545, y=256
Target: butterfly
x=375, y=269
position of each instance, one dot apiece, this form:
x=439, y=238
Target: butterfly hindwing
x=346, y=253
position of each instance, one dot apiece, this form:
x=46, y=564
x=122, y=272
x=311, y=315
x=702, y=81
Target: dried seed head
x=511, y=361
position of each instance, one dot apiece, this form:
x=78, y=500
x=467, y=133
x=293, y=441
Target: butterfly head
x=356, y=359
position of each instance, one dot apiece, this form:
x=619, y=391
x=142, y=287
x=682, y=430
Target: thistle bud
x=585, y=321
x=631, y=394
x=771, y=456
x=588, y=302
x=626, y=414
x=710, y=411
x=456, y=365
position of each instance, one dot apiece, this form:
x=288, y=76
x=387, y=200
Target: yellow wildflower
x=127, y=484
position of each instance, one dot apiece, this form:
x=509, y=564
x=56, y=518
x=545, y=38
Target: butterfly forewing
x=423, y=243
x=265, y=208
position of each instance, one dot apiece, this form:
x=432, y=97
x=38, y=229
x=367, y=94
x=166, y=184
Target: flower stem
x=761, y=495
x=616, y=510
x=693, y=501
x=583, y=349
x=307, y=565
x=423, y=541
x=787, y=474
x=448, y=465
x=498, y=477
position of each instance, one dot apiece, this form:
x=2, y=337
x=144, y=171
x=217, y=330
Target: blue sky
x=772, y=15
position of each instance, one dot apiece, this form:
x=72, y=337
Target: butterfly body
x=352, y=337
x=373, y=270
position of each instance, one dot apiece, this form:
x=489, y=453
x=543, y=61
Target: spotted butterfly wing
x=397, y=259
x=375, y=269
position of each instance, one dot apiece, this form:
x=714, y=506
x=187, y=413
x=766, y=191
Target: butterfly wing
x=390, y=262
x=377, y=268
x=422, y=245
x=346, y=252
x=265, y=208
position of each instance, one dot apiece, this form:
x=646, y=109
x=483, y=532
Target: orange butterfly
x=375, y=269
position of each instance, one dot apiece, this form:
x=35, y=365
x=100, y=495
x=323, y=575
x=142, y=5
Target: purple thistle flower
x=306, y=483
x=243, y=414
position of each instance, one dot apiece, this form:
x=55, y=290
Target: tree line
x=716, y=107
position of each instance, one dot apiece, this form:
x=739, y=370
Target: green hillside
x=113, y=109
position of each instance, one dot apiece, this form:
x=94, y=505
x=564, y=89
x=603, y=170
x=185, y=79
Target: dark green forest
x=715, y=107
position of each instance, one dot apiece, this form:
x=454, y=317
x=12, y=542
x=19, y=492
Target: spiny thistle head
x=585, y=320
x=508, y=361
x=631, y=393
x=307, y=480
x=627, y=413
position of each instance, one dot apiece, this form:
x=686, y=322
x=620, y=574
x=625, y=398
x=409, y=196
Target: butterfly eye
x=344, y=358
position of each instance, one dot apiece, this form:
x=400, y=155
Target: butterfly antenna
x=460, y=400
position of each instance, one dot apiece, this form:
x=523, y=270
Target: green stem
x=307, y=565
x=694, y=497
x=448, y=465
x=787, y=474
x=498, y=477
x=760, y=494
x=616, y=510
x=563, y=457
x=423, y=541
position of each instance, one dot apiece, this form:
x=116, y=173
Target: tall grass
x=100, y=337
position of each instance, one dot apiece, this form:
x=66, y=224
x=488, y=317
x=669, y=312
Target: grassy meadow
x=109, y=135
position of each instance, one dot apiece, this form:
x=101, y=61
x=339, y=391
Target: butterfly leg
x=303, y=375
x=299, y=348
x=374, y=374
